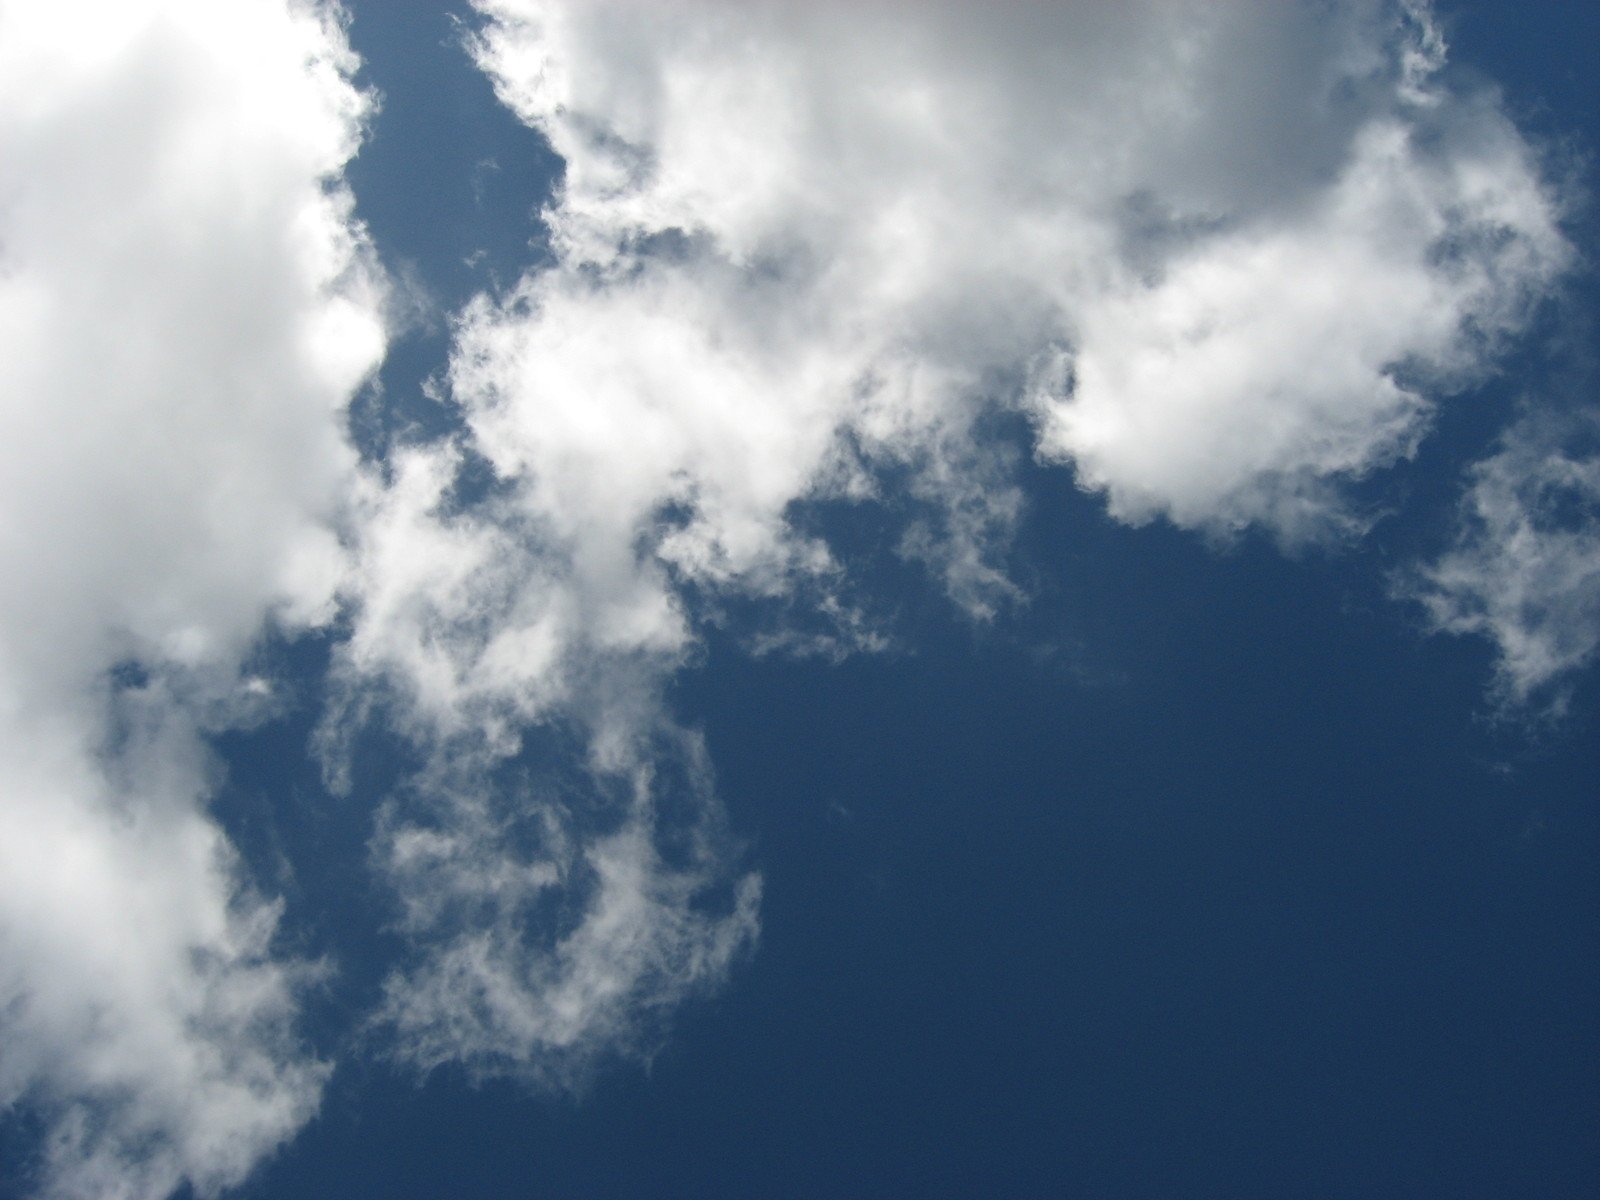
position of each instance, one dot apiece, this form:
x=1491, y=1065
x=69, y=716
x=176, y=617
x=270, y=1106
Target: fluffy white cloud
x=185, y=312
x=1235, y=249
x=1266, y=360
x=1223, y=256
x=1525, y=569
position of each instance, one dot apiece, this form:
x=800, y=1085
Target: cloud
x=1222, y=259
x=555, y=927
x=1524, y=570
x=186, y=310
x=1267, y=361
x=1225, y=256
x=1219, y=260
x=559, y=863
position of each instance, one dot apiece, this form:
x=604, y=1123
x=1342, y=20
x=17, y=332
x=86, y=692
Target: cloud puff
x=1525, y=567
x=186, y=311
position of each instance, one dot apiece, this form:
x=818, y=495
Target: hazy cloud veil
x=1223, y=259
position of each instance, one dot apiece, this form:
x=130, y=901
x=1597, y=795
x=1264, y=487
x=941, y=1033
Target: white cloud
x=1223, y=256
x=185, y=312
x=1266, y=360
x=1525, y=567
x=1236, y=251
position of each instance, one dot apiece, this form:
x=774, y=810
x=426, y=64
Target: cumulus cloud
x=1525, y=567
x=186, y=310
x=1222, y=258
x=1265, y=361
x=1224, y=255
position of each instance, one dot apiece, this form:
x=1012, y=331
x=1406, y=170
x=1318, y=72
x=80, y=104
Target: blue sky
x=641, y=600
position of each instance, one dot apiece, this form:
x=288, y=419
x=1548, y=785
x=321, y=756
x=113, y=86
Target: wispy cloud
x=553, y=912
x=555, y=927
x=1524, y=569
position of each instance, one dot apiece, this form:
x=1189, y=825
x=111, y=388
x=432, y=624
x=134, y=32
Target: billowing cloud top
x=1221, y=259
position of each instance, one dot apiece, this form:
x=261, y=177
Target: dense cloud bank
x=1222, y=259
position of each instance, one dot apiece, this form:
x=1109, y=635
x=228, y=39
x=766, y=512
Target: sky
x=613, y=598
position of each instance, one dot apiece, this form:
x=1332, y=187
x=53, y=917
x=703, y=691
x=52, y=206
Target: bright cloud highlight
x=186, y=310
